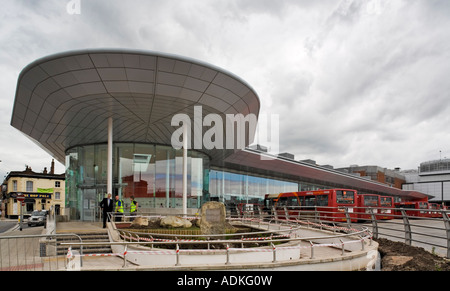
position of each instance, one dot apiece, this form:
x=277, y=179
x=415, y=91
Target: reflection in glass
x=150, y=173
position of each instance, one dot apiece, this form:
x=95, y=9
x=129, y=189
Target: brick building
x=42, y=191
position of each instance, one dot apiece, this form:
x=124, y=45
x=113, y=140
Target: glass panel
x=125, y=171
x=144, y=175
x=164, y=177
x=86, y=165
x=233, y=188
x=153, y=174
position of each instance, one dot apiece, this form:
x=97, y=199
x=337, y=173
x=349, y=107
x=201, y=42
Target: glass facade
x=233, y=188
x=151, y=173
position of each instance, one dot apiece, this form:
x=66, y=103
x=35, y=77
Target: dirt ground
x=397, y=256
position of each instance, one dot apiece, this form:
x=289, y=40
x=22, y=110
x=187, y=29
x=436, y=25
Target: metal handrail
x=45, y=236
x=408, y=221
x=360, y=236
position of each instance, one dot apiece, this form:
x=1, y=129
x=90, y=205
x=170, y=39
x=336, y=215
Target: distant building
x=392, y=178
x=431, y=177
x=42, y=191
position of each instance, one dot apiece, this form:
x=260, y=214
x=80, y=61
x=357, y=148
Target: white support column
x=110, y=153
x=185, y=145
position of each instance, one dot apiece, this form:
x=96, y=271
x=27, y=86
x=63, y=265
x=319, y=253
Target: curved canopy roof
x=65, y=99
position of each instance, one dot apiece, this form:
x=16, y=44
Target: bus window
x=287, y=201
x=292, y=201
x=423, y=205
x=370, y=200
x=386, y=201
x=282, y=201
x=345, y=197
x=310, y=201
x=322, y=200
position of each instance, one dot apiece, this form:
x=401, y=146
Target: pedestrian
x=133, y=206
x=107, y=206
x=119, y=209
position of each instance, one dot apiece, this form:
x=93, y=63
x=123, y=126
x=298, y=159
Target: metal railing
x=277, y=235
x=33, y=252
x=429, y=228
x=280, y=237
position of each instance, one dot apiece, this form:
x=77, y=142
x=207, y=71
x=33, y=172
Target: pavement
x=79, y=227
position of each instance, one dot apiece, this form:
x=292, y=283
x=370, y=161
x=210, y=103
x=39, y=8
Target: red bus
x=436, y=206
x=269, y=202
x=330, y=203
x=413, y=208
x=386, y=207
x=289, y=201
x=364, y=202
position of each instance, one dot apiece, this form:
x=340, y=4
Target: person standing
x=119, y=208
x=107, y=206
x=133, y=206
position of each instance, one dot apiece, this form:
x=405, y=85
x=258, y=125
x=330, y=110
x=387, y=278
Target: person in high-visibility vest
x=119, y=208
x=133, y=207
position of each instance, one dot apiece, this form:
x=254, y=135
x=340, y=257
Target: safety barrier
x=33, y=252
x=428, y=228
x=278, y=238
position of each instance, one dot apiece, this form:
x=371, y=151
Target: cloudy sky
x=352, y=81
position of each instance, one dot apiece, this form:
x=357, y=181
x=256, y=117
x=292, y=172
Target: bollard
x=274, y=249
x=312, y=250
x=343, y=248
x=374, y=223
x=408, y=237
x=446, y=219
x=125, y=257
x=228, y=255
x=177, y=252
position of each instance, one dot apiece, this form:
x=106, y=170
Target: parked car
x=37, y=218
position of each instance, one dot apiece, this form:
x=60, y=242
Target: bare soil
x=417, y=259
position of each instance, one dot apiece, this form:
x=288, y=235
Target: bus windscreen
x=345, y=197
x=370, y=200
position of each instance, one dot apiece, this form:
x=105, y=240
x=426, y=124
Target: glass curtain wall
x=151, y=173
x=234, y=188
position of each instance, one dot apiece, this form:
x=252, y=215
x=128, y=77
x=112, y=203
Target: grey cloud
x=353, y=81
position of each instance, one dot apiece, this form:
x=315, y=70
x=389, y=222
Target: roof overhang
x=275, y=166
x=65, y=100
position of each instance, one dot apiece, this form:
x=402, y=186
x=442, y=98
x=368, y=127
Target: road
x=8, y=224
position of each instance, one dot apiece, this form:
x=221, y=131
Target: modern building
x=107, y=114
x=42, y=191
x=390, y=177
x=432, y=178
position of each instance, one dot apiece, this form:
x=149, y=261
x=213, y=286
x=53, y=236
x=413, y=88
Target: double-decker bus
x=364, y=202
x=330, y=203
x=386, y=209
